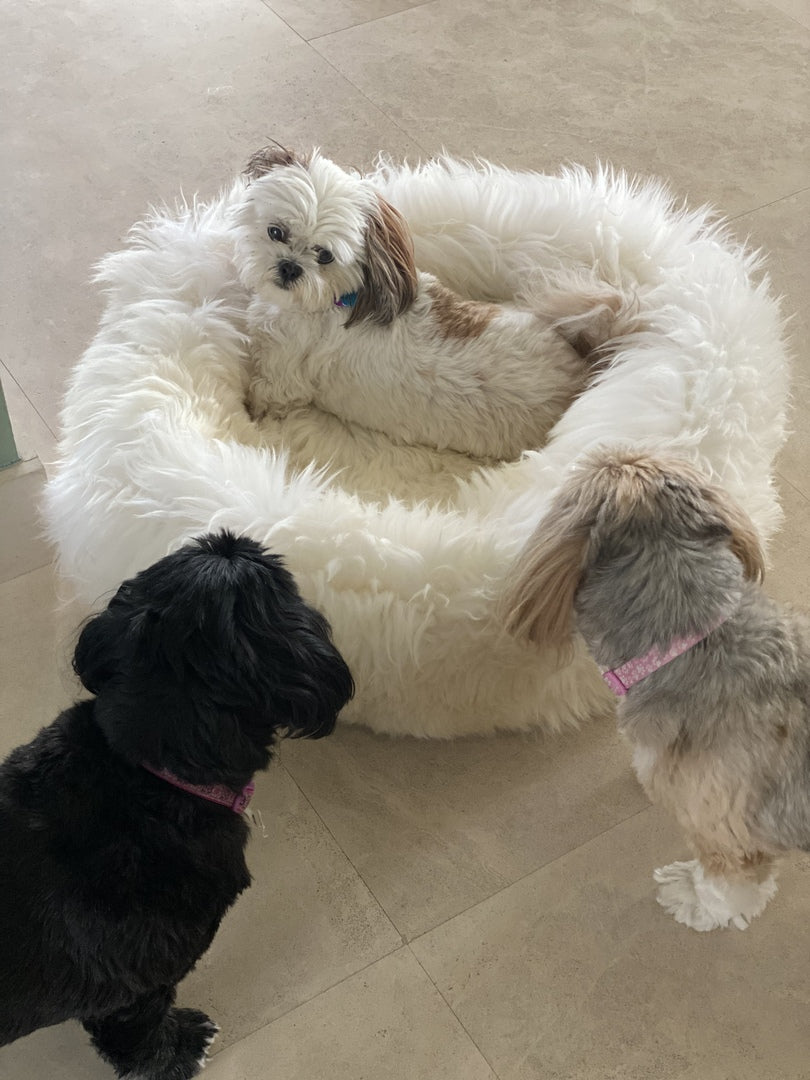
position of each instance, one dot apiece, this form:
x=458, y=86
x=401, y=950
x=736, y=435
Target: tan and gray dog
x=659, y=571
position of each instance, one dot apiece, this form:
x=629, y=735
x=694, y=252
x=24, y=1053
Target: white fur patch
x=644, y=759
x=710, y=903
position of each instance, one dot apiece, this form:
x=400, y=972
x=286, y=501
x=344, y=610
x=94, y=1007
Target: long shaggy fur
x=411, y=358
x=113, y=881
x=406, y=549
x=637, y=551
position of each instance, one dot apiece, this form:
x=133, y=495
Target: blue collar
x=349, y=299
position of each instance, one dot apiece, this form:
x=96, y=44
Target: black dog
x=113, y=880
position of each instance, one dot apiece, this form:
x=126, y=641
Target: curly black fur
x=112, y=881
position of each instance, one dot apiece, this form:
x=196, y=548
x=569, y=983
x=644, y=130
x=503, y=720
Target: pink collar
x=620, y=679
x=216, y=793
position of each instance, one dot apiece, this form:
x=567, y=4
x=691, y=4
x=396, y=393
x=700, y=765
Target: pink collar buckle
x=215, y=793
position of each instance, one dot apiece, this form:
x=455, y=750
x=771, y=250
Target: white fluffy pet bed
x=405, y=550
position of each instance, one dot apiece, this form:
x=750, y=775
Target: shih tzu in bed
x=341, y=318
x=659, y=571
x=122, y=834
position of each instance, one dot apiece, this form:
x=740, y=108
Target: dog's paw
x=262, y=408
x=710, y=903
x=198, y=1031
x=183, y=1055
x=677, y=895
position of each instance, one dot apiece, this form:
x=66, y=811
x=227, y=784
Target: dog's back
x=109, y=882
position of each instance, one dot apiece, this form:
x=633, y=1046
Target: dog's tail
x=589, y=313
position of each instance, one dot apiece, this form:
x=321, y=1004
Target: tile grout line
x=463, y=911
x=28, y=400
x=25, y=573
x=342, y=75
x=529, y=873
x=384, y=956
x=369, y=22
x=404, y=944
x=345, y=855
x=544, y=866
x=802, y=495
x=365, y=96
x=776, y=8
x=460, y=1022
x=267, y=4
x=308, y=1001
x=764, y=206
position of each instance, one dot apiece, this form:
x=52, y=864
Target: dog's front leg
x=279, y=375
x=152, y=1040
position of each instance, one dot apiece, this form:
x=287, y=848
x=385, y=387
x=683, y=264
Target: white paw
x=709, y=903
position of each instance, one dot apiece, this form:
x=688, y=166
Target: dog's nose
x=288, y=271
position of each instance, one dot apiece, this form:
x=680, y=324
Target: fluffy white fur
x=711, y=903
x=423, y=365
x=405, y=549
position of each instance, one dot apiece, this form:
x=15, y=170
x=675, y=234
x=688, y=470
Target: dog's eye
x=324, y=256
x=276, y=232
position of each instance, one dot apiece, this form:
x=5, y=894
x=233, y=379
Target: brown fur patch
x=272, y=157
x=754, y=867
x=715, y=803
x=389, y=275
x=457, y=318
x=537, y=604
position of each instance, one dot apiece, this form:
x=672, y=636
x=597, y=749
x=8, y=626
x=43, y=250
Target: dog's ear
x=720, y=517
x=271, y=157
x=94, y=658
x=537, y=603
x=742, y=534
x=107, y=641
x=389, y=274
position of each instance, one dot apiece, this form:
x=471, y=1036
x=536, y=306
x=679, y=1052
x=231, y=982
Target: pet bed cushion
x=405, y=549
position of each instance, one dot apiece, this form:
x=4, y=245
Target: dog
x=121, y=833
x=341, y=318
x=660, y=573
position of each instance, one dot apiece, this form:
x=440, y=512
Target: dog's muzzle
x=288, y=273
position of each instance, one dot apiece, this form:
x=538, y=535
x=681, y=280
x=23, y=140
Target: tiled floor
x=421, y=911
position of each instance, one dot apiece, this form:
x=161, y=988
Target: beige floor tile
x=32, y=435
x=57, y=1053
x=22, y=547
x=704, y=94
x=307, y=922
x=126, y=124
x=783, y=231
x=385, y=1023
x=575, y=973
x=434, y=827
x=793, y=462
x=319, y=17
x=796, y=9
x=789, y=580
x=35, y=676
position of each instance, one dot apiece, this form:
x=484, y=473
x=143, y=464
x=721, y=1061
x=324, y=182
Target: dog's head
x=202, y=659
x=308, y=233
x=629, y=536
